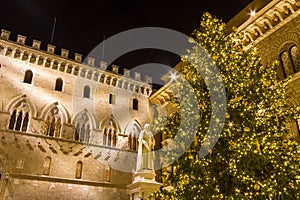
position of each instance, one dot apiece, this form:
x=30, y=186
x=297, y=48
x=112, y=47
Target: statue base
x=143, y=185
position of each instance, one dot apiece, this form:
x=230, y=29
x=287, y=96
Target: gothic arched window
x=19, y=121
x=133, y=131
x=53, y=123
x=25, y=122
x=289, y=60
x=28, y=77
x=110, y=133
x=295, y=58
x=12, y=120
x=83, y=128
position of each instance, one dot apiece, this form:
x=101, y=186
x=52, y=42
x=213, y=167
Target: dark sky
x=81, y=25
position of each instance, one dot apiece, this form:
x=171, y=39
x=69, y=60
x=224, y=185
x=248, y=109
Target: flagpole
x=53, y=30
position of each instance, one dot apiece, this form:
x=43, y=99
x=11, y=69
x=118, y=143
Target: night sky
x=81, y=25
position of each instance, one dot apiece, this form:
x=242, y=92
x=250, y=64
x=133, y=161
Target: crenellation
x=91, y=61
x=36, y=44
x=137, y=76
x=64, y=53
x=103, y=65
x=148, y=79
x=21, y=39
x=50, y=48
x=62, y=63
x=115, y=69
x=5, y=34
x=78, y=57
x=126, y=72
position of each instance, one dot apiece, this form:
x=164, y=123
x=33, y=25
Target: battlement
x=47, y=58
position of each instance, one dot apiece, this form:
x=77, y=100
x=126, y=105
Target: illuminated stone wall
x=44, y=160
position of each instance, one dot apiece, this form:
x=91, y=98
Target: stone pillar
x=143, y=185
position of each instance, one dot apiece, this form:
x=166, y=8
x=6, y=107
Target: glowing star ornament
x=173, y=76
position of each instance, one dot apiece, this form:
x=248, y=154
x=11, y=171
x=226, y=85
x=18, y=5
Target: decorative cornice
x=34, y=55
x=267, y=20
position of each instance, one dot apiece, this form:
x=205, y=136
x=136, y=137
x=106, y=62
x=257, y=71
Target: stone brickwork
x=54, y=139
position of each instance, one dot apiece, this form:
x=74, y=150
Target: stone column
x=143, y=185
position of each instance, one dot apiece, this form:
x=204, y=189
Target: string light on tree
x=252, y=158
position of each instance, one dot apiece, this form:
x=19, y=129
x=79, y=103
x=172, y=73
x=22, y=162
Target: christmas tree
x=254, y=157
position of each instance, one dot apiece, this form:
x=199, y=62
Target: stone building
x=64, y=124
x=273, y=27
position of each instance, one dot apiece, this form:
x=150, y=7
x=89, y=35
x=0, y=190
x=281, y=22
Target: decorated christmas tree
x=255, y=156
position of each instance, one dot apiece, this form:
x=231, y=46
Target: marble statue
x=145, y=150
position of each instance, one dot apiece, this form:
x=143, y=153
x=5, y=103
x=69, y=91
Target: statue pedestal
x=143, y=185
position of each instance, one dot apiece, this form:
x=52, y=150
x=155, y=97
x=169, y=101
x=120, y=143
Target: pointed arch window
x=59, y=84
x=79, y=166
x=86, y=92
x=53, y=123
x=28, y=77
x=295, y=58
x=133, y=131
x=46, y=166
x=135, y=104
x=289, y=60
x=83, y=128
x=19, y=121
x=12, y=120
x=25, y=122
x=110, y=134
